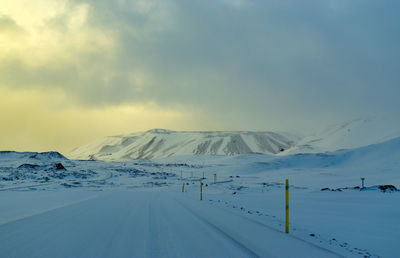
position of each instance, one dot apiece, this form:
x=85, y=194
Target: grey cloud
x=87, y=84
x=302, y=61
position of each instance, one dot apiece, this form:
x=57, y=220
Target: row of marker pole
x=286, y=201
x=286, y=206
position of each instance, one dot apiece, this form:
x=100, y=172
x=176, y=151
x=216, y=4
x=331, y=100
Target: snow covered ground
x=137, y=209
x=150, y=223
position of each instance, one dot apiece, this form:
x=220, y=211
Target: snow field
x=136, y=208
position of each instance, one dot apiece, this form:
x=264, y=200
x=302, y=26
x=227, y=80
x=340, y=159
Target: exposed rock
x=60, y=166
x=384, y=188
x=29, y=166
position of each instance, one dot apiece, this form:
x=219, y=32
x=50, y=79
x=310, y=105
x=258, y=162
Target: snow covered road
x=146, y=223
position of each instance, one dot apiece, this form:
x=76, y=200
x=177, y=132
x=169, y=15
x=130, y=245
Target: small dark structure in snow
x=60, y=166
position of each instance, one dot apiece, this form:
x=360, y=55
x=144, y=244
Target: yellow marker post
x=287, y=206
x=183, y=187
x=201, y=191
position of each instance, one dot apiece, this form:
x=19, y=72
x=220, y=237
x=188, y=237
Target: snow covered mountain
x=348, y=135
x=159, y=143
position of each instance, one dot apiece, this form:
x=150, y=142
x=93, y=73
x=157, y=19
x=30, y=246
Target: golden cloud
x=44, y=120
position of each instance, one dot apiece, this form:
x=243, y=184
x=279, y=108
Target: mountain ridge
x=159, y=143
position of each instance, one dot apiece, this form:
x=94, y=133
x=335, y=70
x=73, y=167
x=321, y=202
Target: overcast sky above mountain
x=72, y=71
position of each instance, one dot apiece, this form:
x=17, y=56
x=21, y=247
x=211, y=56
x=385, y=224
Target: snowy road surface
x=146, y=224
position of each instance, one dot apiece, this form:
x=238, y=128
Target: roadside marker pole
x=183, y=187
x=287, y=206
x=201, y=191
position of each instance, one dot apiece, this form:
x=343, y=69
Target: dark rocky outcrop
x=60, y=166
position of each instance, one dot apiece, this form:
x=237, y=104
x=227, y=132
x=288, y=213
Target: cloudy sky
x=72, y=70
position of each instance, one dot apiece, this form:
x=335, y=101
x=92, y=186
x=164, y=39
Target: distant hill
x=160, y=143
x=348, y=135
x=38, y=157
x=29, y=160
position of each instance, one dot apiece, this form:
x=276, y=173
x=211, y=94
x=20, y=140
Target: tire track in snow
x=149, y=243
x=224, y=234
x=251, y=241
x=159, y=237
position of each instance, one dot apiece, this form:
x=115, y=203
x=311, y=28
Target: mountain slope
x=159, y=143
x=13, y=158
x=351, y=134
